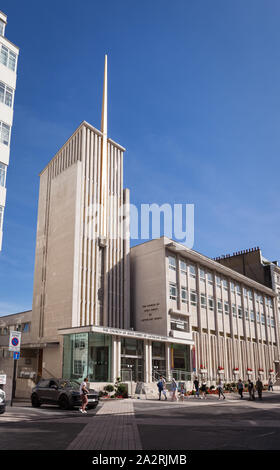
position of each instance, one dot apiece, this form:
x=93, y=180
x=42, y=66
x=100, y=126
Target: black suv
x=64, y=393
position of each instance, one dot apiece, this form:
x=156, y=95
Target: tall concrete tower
x=8, y=77
x=82, y=248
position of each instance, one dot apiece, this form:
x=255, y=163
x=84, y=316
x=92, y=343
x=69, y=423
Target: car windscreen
x=69, y=384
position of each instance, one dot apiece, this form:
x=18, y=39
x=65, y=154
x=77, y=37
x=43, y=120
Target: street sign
x=16, y=355
x=3, y=379
x=14, y=343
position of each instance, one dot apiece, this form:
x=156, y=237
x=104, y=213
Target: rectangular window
x=12, y=61
x=3, y=171
x=183, y=267
x=226, y=306
x=262, y=319
x=210, y=278
x=225, y=284
x=238, y=290
x=193, y=297
x=240, y=312
x=220, y=306
x=203, y=300
x=233, y=310
x=8, y=58
x=4, y=133
x=218, y=281
x=172, y=291
x=202, y=274
x=184, y=295
x=6, y=95
x=250, y=294
x=232, y=287
x=2, y=27
x=26, y=328
x=4, y=53
x=172, y=263
x=245, y=292
x=247, y=314
x=258, y=317
x=252, y=315
x=211, y=302
x=9, y=97
x=192, y=271
x=272, y=322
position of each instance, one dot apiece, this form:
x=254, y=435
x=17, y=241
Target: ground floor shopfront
x=104, y=354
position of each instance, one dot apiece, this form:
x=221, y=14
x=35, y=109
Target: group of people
x=252, y=388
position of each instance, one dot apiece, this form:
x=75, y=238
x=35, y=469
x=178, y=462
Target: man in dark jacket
x=259, y=387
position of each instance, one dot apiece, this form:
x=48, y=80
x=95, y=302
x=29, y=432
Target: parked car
x=62, y=392
x=2, y=401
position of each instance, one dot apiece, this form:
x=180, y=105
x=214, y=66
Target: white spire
x=104, y=169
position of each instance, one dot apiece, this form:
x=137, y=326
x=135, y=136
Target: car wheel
x=64, y=403
x=35, y=401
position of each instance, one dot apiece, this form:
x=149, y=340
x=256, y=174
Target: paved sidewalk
x=113, y=427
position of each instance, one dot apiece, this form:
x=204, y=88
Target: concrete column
x=116, y=358
x=148, y=361
x=168, y=360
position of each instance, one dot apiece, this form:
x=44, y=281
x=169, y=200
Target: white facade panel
x=8, y=76
x=2, y=196
x=6, y=113
x=4, y=154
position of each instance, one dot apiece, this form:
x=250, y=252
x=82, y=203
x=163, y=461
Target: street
x=230, y=424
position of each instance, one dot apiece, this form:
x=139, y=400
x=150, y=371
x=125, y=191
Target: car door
x=42, y=389
x=51, y=392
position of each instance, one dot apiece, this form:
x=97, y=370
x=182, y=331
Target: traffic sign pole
x=14, y=345
x=14, y=382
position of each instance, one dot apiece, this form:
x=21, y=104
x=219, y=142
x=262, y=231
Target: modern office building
x=8, y=76
x=232, y=319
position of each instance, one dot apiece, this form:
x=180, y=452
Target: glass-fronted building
x=104, y=354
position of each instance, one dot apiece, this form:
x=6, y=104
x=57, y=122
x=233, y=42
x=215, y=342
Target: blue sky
x=194, y=97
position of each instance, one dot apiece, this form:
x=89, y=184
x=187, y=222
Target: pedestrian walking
x=196, y=386
x=220, y=388
x=240, y=388
x=182, y=392
x=270, y=385
x=251, y=390
x=174, y=388
x=164, y=387
x=83, y=395
x=259, y=387
x=161, y=387
x=204, y=389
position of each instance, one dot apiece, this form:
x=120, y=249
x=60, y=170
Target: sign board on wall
x=3, y=379
x=14, y=342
